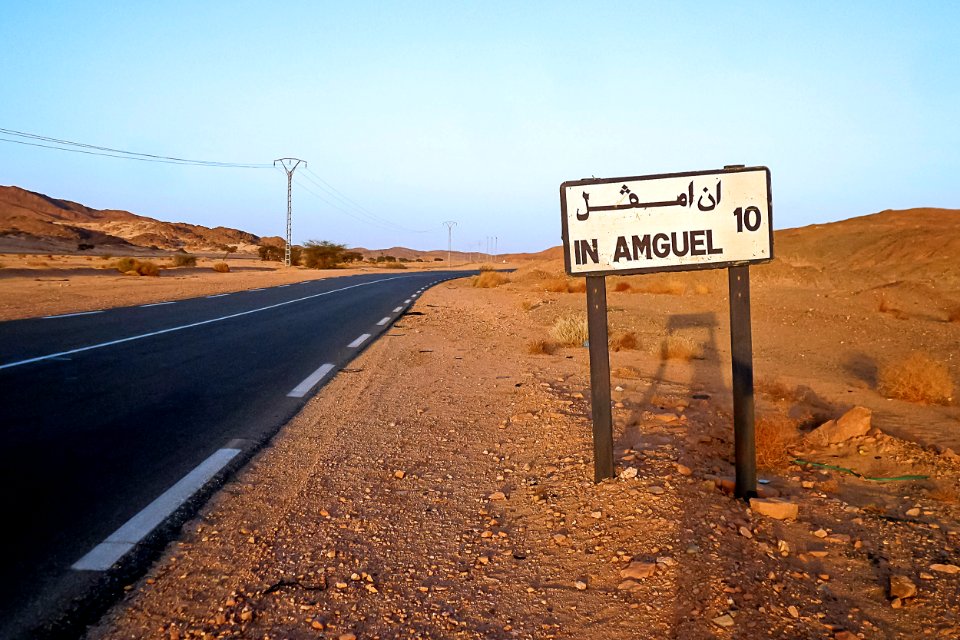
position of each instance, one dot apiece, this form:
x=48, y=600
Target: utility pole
x=289, y=166
x=450, y=225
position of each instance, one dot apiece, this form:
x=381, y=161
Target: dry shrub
x=701, y=289
x=489, y=280
x=37, y=263
x=221, y=267
x=680, y=348
x=147, y=268
x=622, y=287
x=664, y=287
x=123, y=265
x=626, y=373
x=578, y=285
x=919, y=378
x=556, y=285
x=570, y=331
x=392, y=265
x=487, y=267
x=184, y=260
x=541, y=347
x=953, y=314
x=774, y=389
x=623, y=341
x=774, y=435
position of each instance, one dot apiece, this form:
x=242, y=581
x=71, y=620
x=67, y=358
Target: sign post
x=670, y=222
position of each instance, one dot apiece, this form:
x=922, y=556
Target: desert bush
x=541, y=347
x=626, y=373
x=322, y=254
x=701, y=289
x=680, y=348
x=393, y=265
x=221, y=267
x=123, y=265
x=774, y=434
x=487, y=267
x=953, y=314
x=565, y=285
x=489, y=280
x=623, y=340
x=663, y=287
x=570, y=330
x=147, y=268
x=577, y=285
x=184, y=260
x=918, y=378
x=622, y=287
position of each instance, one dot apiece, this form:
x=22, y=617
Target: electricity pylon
x=289, y=166
x=450, y=225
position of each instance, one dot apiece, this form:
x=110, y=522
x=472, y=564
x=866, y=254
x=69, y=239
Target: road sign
x=668, y=222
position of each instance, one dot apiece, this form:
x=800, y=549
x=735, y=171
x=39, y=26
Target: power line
x=59, y=144
x=336, y=193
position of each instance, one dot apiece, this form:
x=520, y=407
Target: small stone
x=399, y=474
x=926, y=576
x=246, y=615
x=745, y=532
x=666, y=561
x=316, y=624
x=347, y=636
x=596, y=515
x=817, y=553
x=628, y=585
x=902, y=587
x=580, y=585
x=628, y=473
x=638, y=570
x=655, y=490
x=844, y=635
x=683, y=469
x=945, y=568
x=820, y=533
x=896, y=603
x=497, y=495
x=776, y=508
x=726, y=620
x=793, y=611
x=561, y=540
x=913, y=513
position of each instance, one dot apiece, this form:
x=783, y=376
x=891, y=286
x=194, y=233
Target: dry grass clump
x=953, y=314
x=774, y=435
x=664, y=287
x=490, y=280
x=701, y=289
x=918, y=378
x=680, y=348
x=392, y=265
x=570, y=331
x=487, y=267
x=541, y=347
x=775, y=390
x=221, y=267
x=623, y=341
x=626, y=373
x=141, y=268
x=622, y=287
x=184, y=260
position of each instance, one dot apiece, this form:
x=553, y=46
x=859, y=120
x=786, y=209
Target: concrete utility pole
x=289, y=166
x=450, y=225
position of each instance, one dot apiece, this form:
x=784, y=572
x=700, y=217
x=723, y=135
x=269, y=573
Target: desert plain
x=442, y=485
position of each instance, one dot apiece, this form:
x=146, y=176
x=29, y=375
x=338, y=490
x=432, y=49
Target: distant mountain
x=34, y=221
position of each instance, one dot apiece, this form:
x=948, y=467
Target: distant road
x=113, y=420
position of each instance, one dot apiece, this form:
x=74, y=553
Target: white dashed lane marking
x=104, y=555
x=310, y=382
x=155, y=304
x=383, y=321
x=359, y=341
x=398, y=310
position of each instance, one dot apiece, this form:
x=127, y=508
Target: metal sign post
x=670, y=222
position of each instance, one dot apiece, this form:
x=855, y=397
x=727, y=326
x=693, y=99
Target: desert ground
x=442, y=486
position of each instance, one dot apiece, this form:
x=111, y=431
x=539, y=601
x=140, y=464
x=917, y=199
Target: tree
x=228, y=250
x=269, y=252
x=323, y=254
x=353, y=256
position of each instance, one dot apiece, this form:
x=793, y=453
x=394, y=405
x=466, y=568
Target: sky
x=411, y=113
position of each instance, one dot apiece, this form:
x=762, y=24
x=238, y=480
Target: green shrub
x=184, y=260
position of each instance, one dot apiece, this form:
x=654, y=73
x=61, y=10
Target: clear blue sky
x=425, y=112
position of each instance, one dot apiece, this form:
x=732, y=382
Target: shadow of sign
x=690, y=336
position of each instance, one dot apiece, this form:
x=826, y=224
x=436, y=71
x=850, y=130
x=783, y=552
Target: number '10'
x=749, y=218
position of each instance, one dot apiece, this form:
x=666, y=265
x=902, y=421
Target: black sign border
x=695, y=267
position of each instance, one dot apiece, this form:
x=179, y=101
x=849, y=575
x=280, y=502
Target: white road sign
x=671, y=222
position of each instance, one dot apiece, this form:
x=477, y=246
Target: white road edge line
x=260, y=289
x=107, y=553
x=70, y=315
x=407, y=301
x=49, y=356
x=310, y=381
x=359, y=341
x=383, y=321
x=398, y=310
x=156, y=304
x=219, y=295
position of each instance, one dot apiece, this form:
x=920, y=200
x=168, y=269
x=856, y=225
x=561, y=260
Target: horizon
x=409, y=117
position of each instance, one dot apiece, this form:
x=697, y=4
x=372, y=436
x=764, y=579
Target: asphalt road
x=113, y=420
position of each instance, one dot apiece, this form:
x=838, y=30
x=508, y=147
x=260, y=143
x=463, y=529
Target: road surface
x=117, y=423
